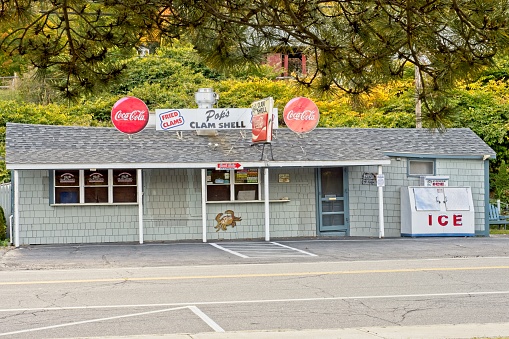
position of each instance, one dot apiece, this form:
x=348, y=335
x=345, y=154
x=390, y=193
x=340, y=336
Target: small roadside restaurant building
x=76, y=184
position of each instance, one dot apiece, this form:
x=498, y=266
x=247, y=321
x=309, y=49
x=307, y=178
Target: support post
x=380, y=206
x=204, y=203
x=140, y=205
x=16, y=208
x=266, y=202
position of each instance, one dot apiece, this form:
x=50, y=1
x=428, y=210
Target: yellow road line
x=253, y=275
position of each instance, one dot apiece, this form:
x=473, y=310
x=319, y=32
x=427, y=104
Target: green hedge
x=3, y=225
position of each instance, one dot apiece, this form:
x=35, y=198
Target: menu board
x=246, y=176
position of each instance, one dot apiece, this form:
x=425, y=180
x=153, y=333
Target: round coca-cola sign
x=301, y=115
x=130, y=115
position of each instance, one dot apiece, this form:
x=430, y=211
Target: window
x=421, y=167
x=67, y=187
x=124, y=186
x=238, y=185
x=100, y=186
x=96, y=186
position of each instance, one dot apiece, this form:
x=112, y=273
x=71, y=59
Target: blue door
x=332, y=201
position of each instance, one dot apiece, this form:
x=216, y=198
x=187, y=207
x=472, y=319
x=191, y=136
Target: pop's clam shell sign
x=130, y=115
x=301, y=115
x=189, y=119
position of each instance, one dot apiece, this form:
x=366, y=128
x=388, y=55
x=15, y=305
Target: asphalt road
x=377, y=288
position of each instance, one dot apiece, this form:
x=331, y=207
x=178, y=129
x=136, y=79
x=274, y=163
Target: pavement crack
x=106, y=260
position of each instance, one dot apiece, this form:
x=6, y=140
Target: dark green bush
x=3, y=225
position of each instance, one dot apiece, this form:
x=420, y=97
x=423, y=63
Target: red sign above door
x=228, y=166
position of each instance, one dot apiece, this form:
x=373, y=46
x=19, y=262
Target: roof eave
x=259, y=164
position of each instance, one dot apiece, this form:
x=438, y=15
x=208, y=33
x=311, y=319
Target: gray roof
x=48, y=146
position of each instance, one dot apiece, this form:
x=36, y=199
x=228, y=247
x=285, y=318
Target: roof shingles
x=48, y=144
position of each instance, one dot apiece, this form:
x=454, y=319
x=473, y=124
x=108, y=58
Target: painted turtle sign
x=301, y=115
x=129, y=115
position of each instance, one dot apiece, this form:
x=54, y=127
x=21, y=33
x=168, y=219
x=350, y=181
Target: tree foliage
x=352, y=45
x=75, y=42
x=499, y=182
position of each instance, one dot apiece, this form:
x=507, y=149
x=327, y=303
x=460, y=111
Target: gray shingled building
x=98, y=185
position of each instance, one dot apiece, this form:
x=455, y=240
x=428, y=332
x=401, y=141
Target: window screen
x=421, y=167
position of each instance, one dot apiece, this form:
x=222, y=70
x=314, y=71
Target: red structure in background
x=288, y=63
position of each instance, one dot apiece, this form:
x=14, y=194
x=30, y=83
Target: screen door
x=332, y=201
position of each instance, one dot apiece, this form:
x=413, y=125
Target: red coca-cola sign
x=130, y=115
x=301, y=115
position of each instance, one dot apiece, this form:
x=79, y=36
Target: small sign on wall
x=369, y=178
x=284, y=177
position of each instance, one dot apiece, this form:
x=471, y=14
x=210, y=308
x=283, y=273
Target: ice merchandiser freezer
x=437, y=211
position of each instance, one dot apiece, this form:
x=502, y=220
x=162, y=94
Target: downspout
x=11, y=218
x=16, y=209
x=486, y=231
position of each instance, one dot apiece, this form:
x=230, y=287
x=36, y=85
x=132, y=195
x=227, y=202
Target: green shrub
x=3, y=225
x=499, y=182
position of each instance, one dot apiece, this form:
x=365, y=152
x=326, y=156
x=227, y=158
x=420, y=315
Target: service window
x=100, y=186
x=124, y=186
x=67, y=187
x=235, y=185
x=96, y=186
x=421, y=167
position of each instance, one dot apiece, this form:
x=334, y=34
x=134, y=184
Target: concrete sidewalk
x=447, y=331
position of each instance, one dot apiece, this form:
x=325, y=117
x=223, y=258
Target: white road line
x=92, y=321
x=262, y=250
x=238, y=302
x=206, y=319
x=229, y=251
x=295, y=249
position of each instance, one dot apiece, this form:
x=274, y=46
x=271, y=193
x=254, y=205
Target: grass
x=4, y=243
x=495, y=230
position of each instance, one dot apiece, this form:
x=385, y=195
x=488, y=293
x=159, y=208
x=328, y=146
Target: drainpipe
x=11, y=220
x=16, y=208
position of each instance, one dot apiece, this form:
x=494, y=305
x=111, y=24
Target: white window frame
x=420, y=160
x=232, y=185
x=82, y=186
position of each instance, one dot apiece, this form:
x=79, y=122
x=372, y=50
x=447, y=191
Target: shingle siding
x=364, y=198
x=41, y=223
